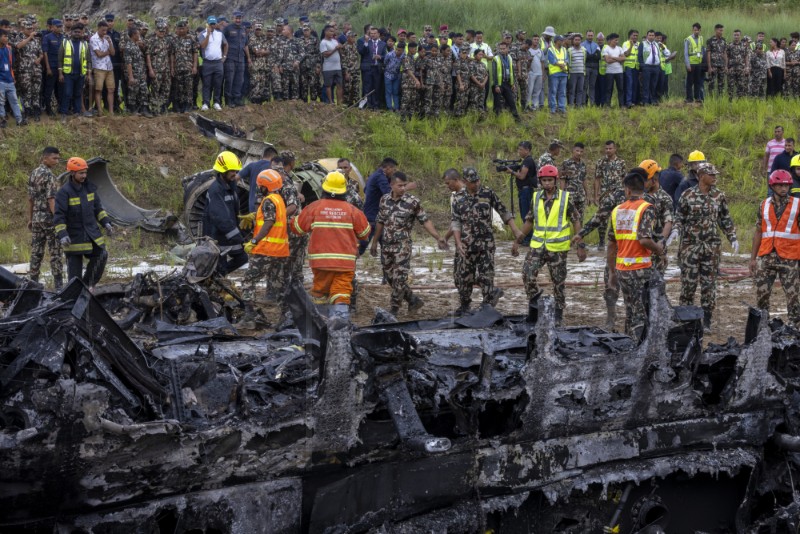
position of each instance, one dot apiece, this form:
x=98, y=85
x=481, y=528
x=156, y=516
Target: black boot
x=706, y=320
x=559, y=316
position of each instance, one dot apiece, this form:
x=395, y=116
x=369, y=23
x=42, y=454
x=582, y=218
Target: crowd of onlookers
x=74, y=67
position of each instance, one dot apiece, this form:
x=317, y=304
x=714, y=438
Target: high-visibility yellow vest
x=632, y=61
x=551, y=231
x=560, y=56
x=498, y=65
x=695, y=49
x=67, y=67
x=603, y=65
x=625, y=218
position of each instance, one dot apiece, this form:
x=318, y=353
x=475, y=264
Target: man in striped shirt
x=774, y=147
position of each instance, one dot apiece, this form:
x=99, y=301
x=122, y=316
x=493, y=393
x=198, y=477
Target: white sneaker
x=217, y=107
x=204, y=108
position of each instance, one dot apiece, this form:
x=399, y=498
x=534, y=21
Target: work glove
x=672, y=237
x=735, y=246
x=66, y=241
x=246, y=222
x=109, y=229
x=248, y=247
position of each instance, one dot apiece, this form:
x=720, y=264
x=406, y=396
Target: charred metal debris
x=140, y=409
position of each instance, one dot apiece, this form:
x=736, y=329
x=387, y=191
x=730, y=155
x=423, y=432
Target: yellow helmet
x=697, y=157
x=651, y=167
x=335, y=183
x=795, y=161
x=227, y=161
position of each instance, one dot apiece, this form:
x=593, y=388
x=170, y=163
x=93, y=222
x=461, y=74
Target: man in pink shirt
x=774, y=147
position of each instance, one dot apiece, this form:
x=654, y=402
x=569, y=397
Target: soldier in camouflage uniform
x=291, y=58
x=396, y=214
x=479, y=77
x=29, y=56
x=351, y=196
x=410, y=84
x=758, y=66
x=297, y=244
x=522, y=66
x=632, y=282
x=159, y=67
x=351, y=70
x=259, y=71
x=311, y=67
x=186, y=50
x=662, y=206
x=136, y=75
x=716, y=48
x=738, y=66
x=549, y=157
x=777, y=256
x=472, y=229
x=573, y=178
x=541, y=251
x=445, y=74
x=461, y=67
x=432, y=95
x=42, y=188
x=609, y=172
x=274, y=55
x=700, y=210
x=792, y=84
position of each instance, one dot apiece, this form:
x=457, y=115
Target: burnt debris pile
x=140, y=408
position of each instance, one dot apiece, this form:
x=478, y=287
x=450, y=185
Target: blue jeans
x=73, y=87
x=631, y=86
x=392, y=92
x=9, y=92
x=558, y=91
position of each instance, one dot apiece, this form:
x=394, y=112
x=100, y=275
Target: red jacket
x=335, y=227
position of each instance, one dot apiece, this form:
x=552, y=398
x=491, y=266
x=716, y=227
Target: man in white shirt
x=535, y=75
x=331, y=65
x=214, y=48
x=650, y=62
x=614, y=57
x=102, y=48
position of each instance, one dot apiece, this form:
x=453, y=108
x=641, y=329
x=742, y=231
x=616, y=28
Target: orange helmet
x=548, y=171
x=76, y=164
x=270, y=179
x=650, y=167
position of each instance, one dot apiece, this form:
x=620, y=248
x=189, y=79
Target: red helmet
x=76, y=164
x=780, y=177
x=548, y=171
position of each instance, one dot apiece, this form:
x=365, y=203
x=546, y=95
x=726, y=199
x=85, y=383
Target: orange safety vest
x=631, y=255
x=781, y=235
x=276, y=243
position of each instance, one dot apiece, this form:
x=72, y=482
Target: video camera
x=502, y=165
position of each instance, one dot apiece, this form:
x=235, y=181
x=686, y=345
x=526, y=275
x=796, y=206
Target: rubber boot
x=494, y=297
x=248, y=320
x=610, y=296
x=706, y=320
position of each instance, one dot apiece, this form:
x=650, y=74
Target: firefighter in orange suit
x=336, y=227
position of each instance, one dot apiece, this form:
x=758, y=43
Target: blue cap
x=57, y=22
x=303, y=19
x=222, y=19
x=238, y=14
x=211, y=20
x=247, y=24
x=109, y=17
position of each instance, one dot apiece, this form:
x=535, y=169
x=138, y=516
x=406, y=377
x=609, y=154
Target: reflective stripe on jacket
x=335, y=228
x=276, y=243
x=553, y=230
x=631, y=255
x=781, y=235
x=79, y=214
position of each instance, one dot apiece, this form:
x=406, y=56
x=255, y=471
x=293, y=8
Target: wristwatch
x=581, y=245
x=253, y=241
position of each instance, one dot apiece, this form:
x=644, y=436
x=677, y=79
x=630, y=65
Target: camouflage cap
x=182, y=23
x=271, y=29
x=306, y=26
x=506, y=33
x=706, y=168
x=470, y=174
x=287, y=155
x=67, y=16
x=161, y=25
x=27, y=24
x=556, y=142
x=279, y=22
x=522, y=32
x=84, y=16
x=258, y=25
x=428, y=27
x=143, y=25
x=130, y=17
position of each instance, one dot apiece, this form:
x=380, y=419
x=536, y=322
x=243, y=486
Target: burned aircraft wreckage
x=141, y=409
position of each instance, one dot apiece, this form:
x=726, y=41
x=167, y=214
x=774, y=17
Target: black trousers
x=694, y=84
x=232, y=260
x=775, y=82
x=505, y=98
x=94, y=269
